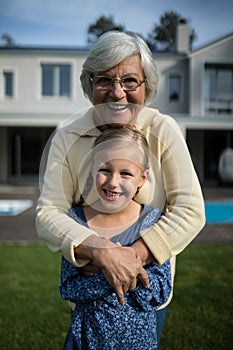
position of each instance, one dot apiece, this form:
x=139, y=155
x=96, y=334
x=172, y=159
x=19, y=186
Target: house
x=209, y=124
x=40, y=87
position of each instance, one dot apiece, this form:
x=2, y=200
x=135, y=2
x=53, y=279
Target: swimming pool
x=216, y=211
x=219, y=212
x=10, y=207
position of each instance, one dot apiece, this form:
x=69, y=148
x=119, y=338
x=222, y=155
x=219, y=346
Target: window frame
x=214, y=100
x=180, y=95
x=5, y=70
x=56, y=64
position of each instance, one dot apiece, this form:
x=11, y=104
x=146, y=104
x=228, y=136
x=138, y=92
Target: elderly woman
x=120, y=78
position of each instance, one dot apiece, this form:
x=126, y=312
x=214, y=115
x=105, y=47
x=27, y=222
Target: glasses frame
x=120, y=81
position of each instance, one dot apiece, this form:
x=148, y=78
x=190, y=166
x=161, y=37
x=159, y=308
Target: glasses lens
x=129, y=83
x=103, y=82
x=106, y=83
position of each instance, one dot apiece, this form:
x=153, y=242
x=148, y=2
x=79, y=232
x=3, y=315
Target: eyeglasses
x=107, y=83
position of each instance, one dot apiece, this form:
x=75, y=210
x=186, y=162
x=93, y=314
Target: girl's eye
x=103, y=171
x=126, y=173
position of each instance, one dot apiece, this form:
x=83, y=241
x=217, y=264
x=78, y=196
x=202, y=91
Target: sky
x=65, y=22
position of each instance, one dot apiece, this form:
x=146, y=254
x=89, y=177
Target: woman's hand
x=122, y=269
x=143, y=252
x=120, y=266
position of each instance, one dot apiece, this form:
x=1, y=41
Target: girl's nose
x=113, y=180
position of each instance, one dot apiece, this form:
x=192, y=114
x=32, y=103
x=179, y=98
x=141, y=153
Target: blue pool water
x=9, y=207
x=216, y=211
x=219, y=212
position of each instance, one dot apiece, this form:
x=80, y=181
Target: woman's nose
x=117, y=91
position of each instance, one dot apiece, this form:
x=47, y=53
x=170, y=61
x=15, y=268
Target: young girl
x=120, y=166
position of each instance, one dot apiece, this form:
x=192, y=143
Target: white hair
x=112, y=48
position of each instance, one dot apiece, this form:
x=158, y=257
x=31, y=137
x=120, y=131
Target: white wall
x=26, y=66
x=171, y=64
x=220, y=52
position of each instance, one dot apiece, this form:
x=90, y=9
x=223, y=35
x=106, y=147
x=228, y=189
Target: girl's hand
x=90, y=270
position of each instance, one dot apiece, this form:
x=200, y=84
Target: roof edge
x=212, y=43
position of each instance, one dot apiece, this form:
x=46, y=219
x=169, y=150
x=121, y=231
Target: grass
x=33, y=315
x=200, y=315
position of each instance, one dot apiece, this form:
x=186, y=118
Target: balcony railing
x=219, y=106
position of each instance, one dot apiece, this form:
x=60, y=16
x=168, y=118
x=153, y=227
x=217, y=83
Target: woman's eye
x=103, y=80
x=130, y=80
x=130, y=83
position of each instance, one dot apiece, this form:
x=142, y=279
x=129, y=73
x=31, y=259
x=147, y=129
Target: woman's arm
x=54, y=226
x=184, y=214
x=75, y=287
x=61, y=233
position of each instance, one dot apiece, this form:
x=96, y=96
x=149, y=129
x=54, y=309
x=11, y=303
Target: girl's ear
x=144, y=178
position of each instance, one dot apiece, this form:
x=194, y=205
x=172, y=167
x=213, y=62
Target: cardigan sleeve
x=184, y=213
x=53, y=225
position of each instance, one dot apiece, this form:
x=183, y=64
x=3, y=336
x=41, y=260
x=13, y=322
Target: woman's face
x=116, y=105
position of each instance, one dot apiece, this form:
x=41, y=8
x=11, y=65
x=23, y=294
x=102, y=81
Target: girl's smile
x=110, y=195
x=117, y=181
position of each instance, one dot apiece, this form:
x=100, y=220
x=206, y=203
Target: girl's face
x=116, y=105
x=118, y=179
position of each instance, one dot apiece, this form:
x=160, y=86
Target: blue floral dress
x=99, y=321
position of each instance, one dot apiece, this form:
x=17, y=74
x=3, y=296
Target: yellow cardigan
x=172, y=186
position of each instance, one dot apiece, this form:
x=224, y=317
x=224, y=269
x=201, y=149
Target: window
x=218, y=89
x=8, y=84
x=56, y=80
x=174, y=88
x=26, y=145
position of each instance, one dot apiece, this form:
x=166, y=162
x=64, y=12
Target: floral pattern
x=99, y=321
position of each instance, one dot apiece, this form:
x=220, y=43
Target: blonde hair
x=129, y=136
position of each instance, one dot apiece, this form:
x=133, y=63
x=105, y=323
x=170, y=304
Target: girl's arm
x=76, y=287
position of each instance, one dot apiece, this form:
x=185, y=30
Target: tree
x=102, y=25
x=9, y=41
x=163, y=36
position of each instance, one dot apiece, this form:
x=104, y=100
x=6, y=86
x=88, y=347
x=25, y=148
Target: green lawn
x=33, y=316
x=200, y=315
